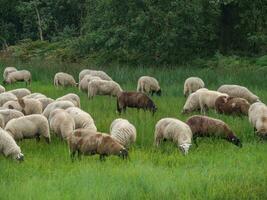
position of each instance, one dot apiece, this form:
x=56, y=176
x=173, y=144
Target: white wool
x=192, y=84
x=57, y=104
x=103, y=87
x=45, y=102
x=100, y=74
x=74, y=98
x=8, y=114
x=22, y=75
x=2, y=89
x=147, y=84
x=12, y=105
x=35, y=95
x=257, y=114
x=83, y=84
x=7, y=96
x=8, y=70
x=31, y=106
x=64, y=79
x=20, y=92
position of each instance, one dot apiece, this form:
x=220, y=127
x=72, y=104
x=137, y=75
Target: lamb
x=82, y=119
x=64, y=80
x=148, y=84
x=31, y=126
x=257, y=114
x=95, y=143
x=2, y=89
x=203, y=126
x=74, y=98
x=135, y=100
x=175, y=130
x=123, y=131
x=8, y=114
x=57, y=104
x=45, y=102
x=21, y=92
x=103, y=87
x=232, y=105
x=7, y=96
x=239, y=91
x=9, y=147
x=22, y=75
x=83, y=84
x=61, y=123
x=192, y=84
x=8, y=70
x=31, y=106
x=100, y=74
x=35, y=95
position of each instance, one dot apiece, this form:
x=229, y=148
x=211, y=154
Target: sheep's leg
x=124, y=109
x=37, y=137
x=72, y=155
x=195, y=141
x=102, y=157
x=79, y=154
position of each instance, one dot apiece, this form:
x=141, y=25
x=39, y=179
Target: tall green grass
x=214, y=170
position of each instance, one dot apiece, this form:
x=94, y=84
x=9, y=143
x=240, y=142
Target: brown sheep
x=92, y=143
x=232, y=105
x=135, y=100
x=203, y=126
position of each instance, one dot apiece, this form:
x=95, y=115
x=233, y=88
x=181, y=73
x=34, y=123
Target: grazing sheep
x=8, y=114
x=100, y=74
x=35, y=95
x=148, y=84
x=83, y=84
x=74, y=98
x=123, y=131
x=31, y=126
x=64, y=80
x=95, y=143
x=82, y=119
x=9, y=147
x=257, y=114
x=8, y=70
x=192, y=84
x=2, y=89
x=61, y=123
x=232, y=105
x=22, y=75
x=239, y=91
x=21, y=92
x=12, y=105
x=103, y=87
x=31, y=106
x=57, y=104
x=175, y=130
x=203, y=126
x=45, y=102
x=7, y=96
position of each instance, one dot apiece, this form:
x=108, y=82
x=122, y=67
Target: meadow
x=215, y=169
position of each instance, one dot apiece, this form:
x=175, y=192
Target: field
x=214, y=170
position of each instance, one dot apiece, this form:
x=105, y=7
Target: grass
x=214, y=170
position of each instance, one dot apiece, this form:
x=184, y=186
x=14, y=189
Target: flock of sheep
x=26, y=115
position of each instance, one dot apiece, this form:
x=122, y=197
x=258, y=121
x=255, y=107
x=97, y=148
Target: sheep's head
x=19, y=157
x=158, y=92
x=123, y=153
x=184, y=148
x=233, y=139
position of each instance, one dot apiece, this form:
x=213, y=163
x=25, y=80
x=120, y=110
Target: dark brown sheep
x=135, y=100
x=232, y=105
x=203, y=126
x=88, y=142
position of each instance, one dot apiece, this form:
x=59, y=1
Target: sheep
x=192, y=84
x=64, y=80
x=21, y=92
x=7, y=96
x=239, y=91
x=83, y=84
x=203, y=126
x=8, y=70
x=45, y=102
x=35, y=95
x=22, y=75
x=123, y=131
x=232, y=105
x=148, y=84
x=82, y=119
x=74, y=98
x=103, y=87
x=175, y=130
x=135, y=100
x=2, y=89
x=12, y=105
x=9, y=147
x=257, y=114
x=31, y=126
x=57, y=104
x=94, y=143
x=100, y=74
x=61, y=123
x=31, y=106
x=8, y=114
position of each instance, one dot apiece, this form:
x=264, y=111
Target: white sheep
x=123, y=131
x=8, y=114
x=45, y=102
x=192, y=84
x=57, y=104
x=12, y=105
x=239, y=91
x=148, y=84
x=81, y=118
x=8, y=70
x=83, y=84
x=103, y=87
x=20, y=92
x=2, y=89
x=192, y=102
x=175, y=130
x=257, y=114
x=9, y=147
x=64, y=80
x=31, y=106
x=61, y=123
x=35, y=95
x=74, y=98
x=7, y=96
x=22, y=75
x=31, y=126
x=100, y=74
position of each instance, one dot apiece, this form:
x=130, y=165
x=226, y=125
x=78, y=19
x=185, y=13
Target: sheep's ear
x=10, y=107
x=21, y=103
